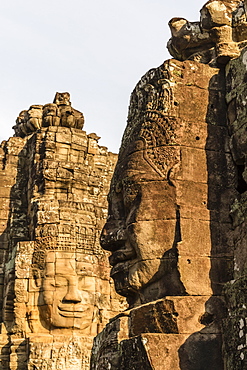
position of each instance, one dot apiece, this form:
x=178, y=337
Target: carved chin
x=52, y=317
x=122, y=283
x=135, y=278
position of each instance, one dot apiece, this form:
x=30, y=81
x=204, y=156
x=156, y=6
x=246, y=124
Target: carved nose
x=73, y=294
x=113, y=236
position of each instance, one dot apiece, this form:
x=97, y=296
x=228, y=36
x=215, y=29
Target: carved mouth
x=121, y=261
x=121, y=256
x=68, y=311
x=120, y=267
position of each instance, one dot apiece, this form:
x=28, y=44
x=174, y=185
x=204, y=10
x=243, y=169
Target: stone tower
x=56, y=293
x=177, y=206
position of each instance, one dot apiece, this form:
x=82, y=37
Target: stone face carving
x=176, y=253
x=34, y=117
x=62, y=99
x=51, y=116
x=19, y=128
x=217, y=38
x=144, y=230
x=56, y=294
x=142, y=203
x=58, y=113
x=68, y=295
x=168, y=227
x=70, y=117
x=141, y=237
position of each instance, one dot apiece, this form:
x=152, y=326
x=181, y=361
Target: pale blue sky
x=96, y=50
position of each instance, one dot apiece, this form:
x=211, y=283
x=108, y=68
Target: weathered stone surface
x=55, y=288
x=235, y=291
x=154, y=351
x=168, y=225
x=217, y=38
x=158, y=335
x=177, y=175
x=58, y=113
x=161, y=178
x=235, y=324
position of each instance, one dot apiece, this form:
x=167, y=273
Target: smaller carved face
x=62, y=98
x=35, y=111
x=50, y=110
x=22, y=117
x=68, y=293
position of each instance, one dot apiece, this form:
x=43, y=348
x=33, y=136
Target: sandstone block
x=193, y=165
x=196, y=106
x=195, y=274
x=64, y=138
x=194, y=194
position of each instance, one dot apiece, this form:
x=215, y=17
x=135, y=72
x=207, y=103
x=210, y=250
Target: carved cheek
x=86, y=297
x=48, y=297
x=60, y=294
x=48, y=290
x=151, y=239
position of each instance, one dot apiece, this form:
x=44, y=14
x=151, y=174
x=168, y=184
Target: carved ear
x=33, y=319
x=37, y=278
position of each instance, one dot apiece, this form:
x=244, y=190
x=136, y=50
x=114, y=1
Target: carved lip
x=117, y=268
x=121, y=266
x=121, y=255
x=68, y=311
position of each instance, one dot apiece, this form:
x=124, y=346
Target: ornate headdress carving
x=152, y=120
x=83, y=244
x=77, y=243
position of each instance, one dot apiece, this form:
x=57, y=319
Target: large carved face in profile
x=68, y=294
x=142, y=228
x=143, y=225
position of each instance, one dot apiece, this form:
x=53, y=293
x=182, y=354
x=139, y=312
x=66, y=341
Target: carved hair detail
x=78, y=243
x=83, y=244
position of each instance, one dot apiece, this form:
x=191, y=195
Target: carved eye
x=188, y=26
x=60, y=281
x=49, y=281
